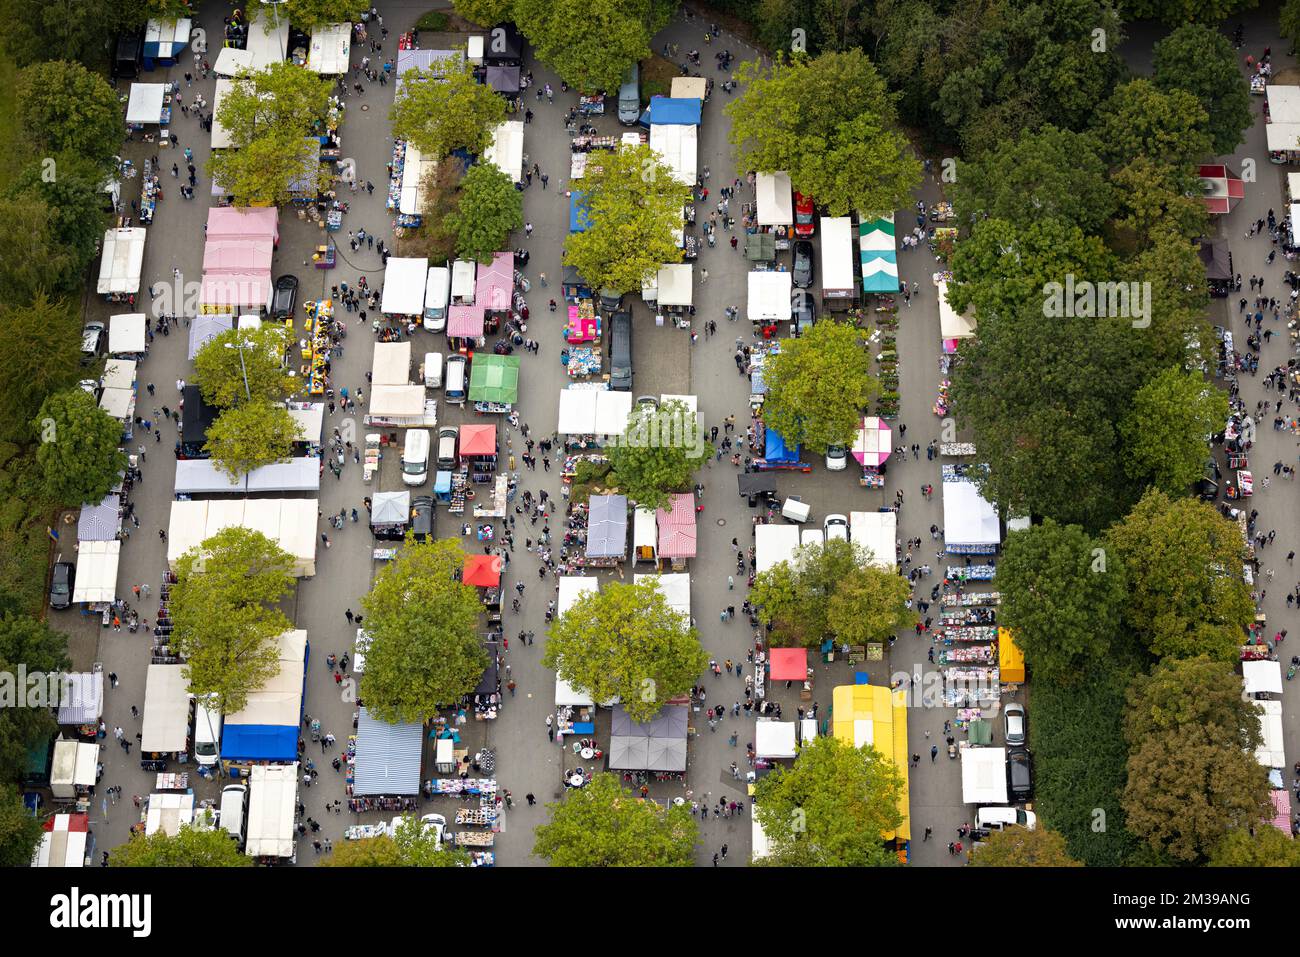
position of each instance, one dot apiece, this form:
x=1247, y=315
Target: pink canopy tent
x=234, y=222
x=788, y=664
x=465, y=321
x=476, y=440
x=237, y=255
x=582, y=328
x=1222, y=188
x=1281, y=810
x=495, y=287
x=677, y=527
x=236, y=290
x=874, y=443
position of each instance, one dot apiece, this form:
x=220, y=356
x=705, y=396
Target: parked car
x=837, y=528
x=837, y=458
x=1020, y=774
x=803, y=310
x=802, y=274
x=620, y=352
x=61, y=583
x=92, y=342
x=422, y=517
x=447, y=448
x=1013, y=722
x=286, y=297
x=805, y=216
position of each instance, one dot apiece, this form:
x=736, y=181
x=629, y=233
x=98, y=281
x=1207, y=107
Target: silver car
x=1013, y=718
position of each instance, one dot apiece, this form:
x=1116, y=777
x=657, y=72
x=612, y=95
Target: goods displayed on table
x=971, y=573
x=466, y=788
x=967, y=654
x=475, y=838
x=970, y=686
x=957, y=448
x=477, y=816
x=150, y=192
x=316, y=350
x=941, y=405
x=971, y=633
x=395, y=178
x=976, y=598
x=582, y=361
x=585, y=144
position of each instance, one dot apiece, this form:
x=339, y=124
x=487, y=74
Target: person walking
x=528, y=229
x=934, y=752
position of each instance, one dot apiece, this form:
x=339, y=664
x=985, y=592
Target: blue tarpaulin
x=776, y=449
x=579, y=213
x=675, y=110
x=442, y=483
x=259, y=742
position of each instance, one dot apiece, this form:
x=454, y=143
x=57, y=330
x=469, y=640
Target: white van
x=464, y=273
x=207, y=736
x=415, y=457
x=234, y=802
x=1000, y=818
x=455, y=380
x=433, y=370
x=437, y=292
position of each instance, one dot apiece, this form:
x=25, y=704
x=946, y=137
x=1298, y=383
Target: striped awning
x=879, y=255
x=387, y=757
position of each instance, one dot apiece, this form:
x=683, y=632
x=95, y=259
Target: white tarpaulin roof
x=506, y=151
x=838, y=255
x=310, y=419
x=331, y=45
x=397, y=400
x=146, y=103
x=392, y=361
x=688, y=88
x=984, y=775
x=221, y=138
x=1259, y=676
x=593, y=412
x=876, y=532
x=126, y=333
x=272, y=803
x=612, y=410
x=674, y=282
x=96, y=572
x=290, y=522
x=201, y=476
x=230, y=61
x=645, y=531
x=968, y=519
x=118, y=374
x=1283, y=103
x=774, y=544
x=573, y=587
x=267, y=43
x=168, y=812
x=122, y=257
x=676, y=145
x=404, y=292
x=1272, y=752
x=300, y=474
x=1282, y=137
x=774, y=739
x=775, y=201
x=63, y=842
x=415, y=174
x=166, y=719
x=565, y=693
x=952, y=325
x=769, y=296
x=390, y=508
x=74, y=763
x=117, y=403
x=676, y=588
x=278, y=702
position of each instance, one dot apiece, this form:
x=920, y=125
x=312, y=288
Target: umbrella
x=874, y=442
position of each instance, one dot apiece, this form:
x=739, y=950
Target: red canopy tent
x=1222, y=188
x=482, y=570
x=478, y=440
x=788, y=664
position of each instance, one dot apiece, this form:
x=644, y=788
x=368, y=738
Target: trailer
x=839, y=281
x=272, y=804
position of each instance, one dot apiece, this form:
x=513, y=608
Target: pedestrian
x=528, y=229
x=952, y=848
x=934, y=752
x=704, y=275
x=348, y=615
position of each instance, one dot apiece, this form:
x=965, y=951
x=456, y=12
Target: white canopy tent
x=676, y=588
x=119, y=403
x=1260, y=677
x=301, y=474
x=1282, y=137
x=63, y=842
x=126, y=334
x=331, y=46
x=231, y=62
x=118, y=374
x=573, y=587
x=774, y=544
x=145, y=103
x=877, y=532
x=272, y=804
x=968, y=518
x=506, y=151
x=953, y=325
x=688, y=88
x=202, y=477
x=593, y=412
x=984, y=775
x=416, y=170
x=769, y=296
x=96, y=572
x=404, y=289
x=268, y=40
x=221, y=138
x=310, y=419
x=401, y=406
x=391, y=364
x=1272, y=752
x=1283, y=103
x=775, y=199
x=168, y=812
x=120, y=261
x=74, y=765
x=290, y=522
x=166, y=720
x=677, y=146
x=838, y=254
x=645, y=531
x=774, y=739
x=278, y=702
x=675, y=284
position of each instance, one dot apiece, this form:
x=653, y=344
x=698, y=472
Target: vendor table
x=172, y=782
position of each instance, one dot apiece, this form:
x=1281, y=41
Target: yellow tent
x=874, y=715
x=1011, y=660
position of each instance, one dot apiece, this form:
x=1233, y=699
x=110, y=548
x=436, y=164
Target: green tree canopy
x=271, y=170
x=795, y=596
x=444, y=108
x=414, y=844
x=78, y=455
x=1164, y=431
x=1019, y=847
x=818, y=386
x=191, y=847
x=591, y=44
x=1201, y=61
x=1062, y=597
x=634, y=203
x=32, y=255
x=1192, y=692
x=489, y=210
x=226, y=361
x=486, y=13
x=1264, y=846
x=602, y=825
x=830, y=123
x=1158, y=198
x=1185, y=11
x=422, y=621
x=281, y=99
x=251, y=435
x=27, y=642
x=626, y=642
x=64, y=108
x=226, y=615
x=20, y=831
x=869, y=604
x=831, y=808
x=72, y=191
x=41, y=350
x=305, y=14
x=1140, y=119
x=1186, y=592
x=658, y=454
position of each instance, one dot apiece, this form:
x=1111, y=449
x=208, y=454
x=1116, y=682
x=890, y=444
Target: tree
x=34, y=646
x=1186, y=593
x=1164, y=430
x=1050, y=173
x=795, y=596
x=414, y=844
x=658, y=454
x=602, y=825
x=1185, y=11
x=1062, y=598
x=424, y=648
x=1263, y=846
x=486, y=13
x=192, y=846
x=1157, y=197
x=626, y=642
x=20, y=831
x=78, y=455
x=591, y=44
x=444, y=108
x=71, y=190
x=1289, y=21
x=271, y=170
x=305, y=14
x=1192, y=773
x=41, y=351
x=32, y=258
x=238, y=356
x=832, y=808
x=1020, y=847
x=281, y=99
x=1140, y=119
x=251, y=435
x=74, y=29
x=63, y=108
x=830, y=123
x=489, y=209
x=634, y=202
x=225, y=614
x=818, y=386
x=1201, y=61
x=869, y=604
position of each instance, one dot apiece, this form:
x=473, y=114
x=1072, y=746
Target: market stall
x=102, y=522
x=1272, y=750
x=494, y=289
x=290, y=522
x=774, y=544
x=75, y=770
x=769, y=296
x=148, y=105
x=655, y=745
x=203, y=329
x=126, y=335
x=81, y=701
x=871, y=447
x=675, y=288
x=971, y=525
x=165, y=41
x=494, y=382
x=166, y=813
x=165, y=725
x=387, y=757
x=417, y=174
x=96, y=583
x=272, y=806
x=593, y=412
x=65, y=841
x=267, y=727
x=645, y=540
x=1261, y=676
x=506, y=151
x=389, y=514
x=774, y=740
x=502, y=79
x=404, y=281
x=677, y=147
x=676, y=589
x=607, y=529
x=953, y=326
x=478, y=449
x=221, y=137
x=121, y=259
x=774, y=199
x=231, y=61
x=878, y=254
x=677, y=531
x=331, y=48
x=1216, y=257
x=1221, y=188
x=839, y=279
x=983, y=775
x=268, y=40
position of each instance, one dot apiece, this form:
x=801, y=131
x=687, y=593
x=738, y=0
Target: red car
x=804, y=216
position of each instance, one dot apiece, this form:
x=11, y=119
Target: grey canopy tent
x=607, y=526
x=760, y=247
x=390, y=508
x=755, y=483
x=655, y=745
x=102, y=522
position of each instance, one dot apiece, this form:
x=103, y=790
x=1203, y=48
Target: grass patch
x=657, y=77
x=435, y=21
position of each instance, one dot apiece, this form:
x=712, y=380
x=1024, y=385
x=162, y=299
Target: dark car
x=802, y=310
x=1020, y=774
x=803, y=264
x=65, y=576
x=286, y=297
x=620, y=352
x=422, y=517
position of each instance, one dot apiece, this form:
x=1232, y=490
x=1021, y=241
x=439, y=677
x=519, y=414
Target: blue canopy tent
x=779, y=455
x=678, y=111
x=579, y=212
x=267, y=727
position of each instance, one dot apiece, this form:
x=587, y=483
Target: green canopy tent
x=494, y=378
x=981, y=731
x=760, y=247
